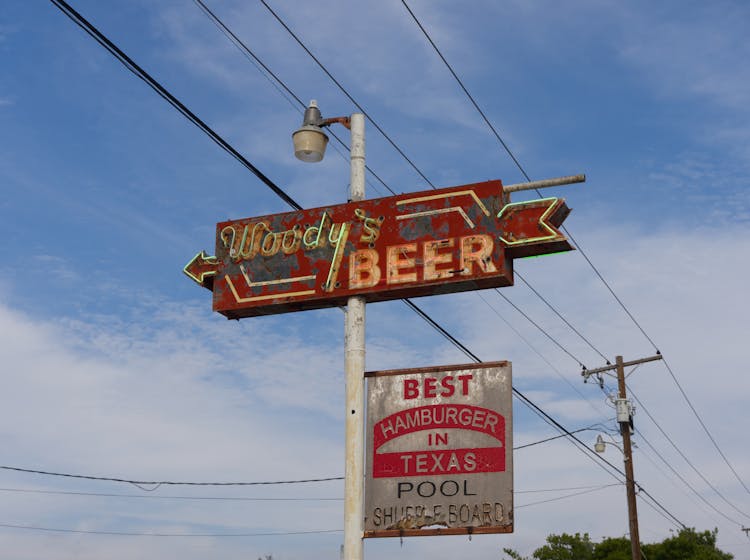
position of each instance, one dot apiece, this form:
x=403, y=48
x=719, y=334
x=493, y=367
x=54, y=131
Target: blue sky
x=113, y=363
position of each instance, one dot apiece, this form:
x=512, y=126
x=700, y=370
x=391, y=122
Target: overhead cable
x=562, y=318
x=515, y=160
x=609, y=391
x=75, y=16
x=685, y=457
x=703, y=425
x=255, y=59
x=133, y=67
x=682, y=479
x=252, y=57
x=400, y=151
x=347, y=94
x=248, y=535
x=164, y=93
x=159, y=534
x=230, y=498
x=161, y=497
x=158, y=483
x=567, y=496
x=580, y=249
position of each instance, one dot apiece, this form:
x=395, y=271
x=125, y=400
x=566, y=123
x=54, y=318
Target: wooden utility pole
x=635, y=542
x=624, y=419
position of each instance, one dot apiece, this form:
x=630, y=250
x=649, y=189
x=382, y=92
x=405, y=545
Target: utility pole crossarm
x=587, y=372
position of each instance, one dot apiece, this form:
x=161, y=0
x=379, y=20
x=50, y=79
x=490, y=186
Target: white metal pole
x=354, y=369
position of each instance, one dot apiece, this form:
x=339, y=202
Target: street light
x=599, y=445
x=309, y=140
x=309, y=146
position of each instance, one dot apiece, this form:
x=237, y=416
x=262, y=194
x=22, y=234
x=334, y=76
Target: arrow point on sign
x=202, y=269
x=530, y=227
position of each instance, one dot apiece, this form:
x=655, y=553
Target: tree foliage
x=688, y=544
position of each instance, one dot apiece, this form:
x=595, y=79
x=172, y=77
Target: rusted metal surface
x=439, y=451
x=431, y=242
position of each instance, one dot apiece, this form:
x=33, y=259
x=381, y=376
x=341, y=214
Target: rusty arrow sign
x=440, y=241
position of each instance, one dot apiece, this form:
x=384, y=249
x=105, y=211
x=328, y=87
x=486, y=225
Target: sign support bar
x=544, y=183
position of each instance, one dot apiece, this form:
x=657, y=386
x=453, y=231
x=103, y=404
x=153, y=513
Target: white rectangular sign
x=439, y=451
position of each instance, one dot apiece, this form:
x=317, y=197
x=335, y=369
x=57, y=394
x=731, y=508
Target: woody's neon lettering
x=296, y=236
x=317, y=230
x=371, y=226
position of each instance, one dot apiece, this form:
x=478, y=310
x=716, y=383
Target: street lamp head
x=309, y=140
x=600, y=445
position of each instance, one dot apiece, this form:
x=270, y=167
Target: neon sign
x=448, y=240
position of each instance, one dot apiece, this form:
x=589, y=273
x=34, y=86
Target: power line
x=91, y=30
x=685, y=457
x=567, y=496
x=158, y=483
x=515, y=160
x=703, y=425
x=406, y=158
x=347, y=94
x=653, y=507
x=562, y=318
x=164, y=93
x=543, y=490
x=596, y=455
x=155, y=534
x=250, y=54
x=580, y=249
x=538, y=353
x=158, y=497
x=258, y=63
x=466, y=91
x=248, y=535
x=685, y=482
x=133, y=67
x=551, y=438
x=229, y=498
x=608, y=391
x=538, y=326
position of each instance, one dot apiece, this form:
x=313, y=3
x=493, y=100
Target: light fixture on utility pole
x=309, y=145
x=625, y=420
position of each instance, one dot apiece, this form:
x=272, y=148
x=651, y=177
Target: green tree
x=513, y=555
x=566, y=547
x=560, y=547
x=617, y=548
x=688, y=544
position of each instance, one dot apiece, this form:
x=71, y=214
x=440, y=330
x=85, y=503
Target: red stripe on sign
x=428, y=463
x=436, y=416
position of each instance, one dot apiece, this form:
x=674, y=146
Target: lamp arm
x=345, y=121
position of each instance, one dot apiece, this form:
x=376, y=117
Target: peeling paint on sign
x=439, y=451
x=416, y=244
